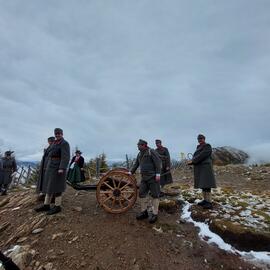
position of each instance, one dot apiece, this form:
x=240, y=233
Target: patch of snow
x=260, y=257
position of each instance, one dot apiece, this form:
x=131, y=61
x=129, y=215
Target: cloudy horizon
x=111, y=72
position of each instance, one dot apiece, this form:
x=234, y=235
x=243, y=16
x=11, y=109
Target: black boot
x=54, y=210
x=208, y=205
x=142, y=215
x=3, y=192
x=202, y=203
x=161, y=194
x=152, y=219
x=44, y=207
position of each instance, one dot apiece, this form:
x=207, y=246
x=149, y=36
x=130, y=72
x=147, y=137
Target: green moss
x=261, y=213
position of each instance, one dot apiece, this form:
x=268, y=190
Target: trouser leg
x=58, y=200
x=155, y=203
x=144, y=204
x=48, y=198
x=208, y=197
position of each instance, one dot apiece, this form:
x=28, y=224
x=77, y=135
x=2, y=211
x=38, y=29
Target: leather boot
x=54, y=210
x=152, y=219
x=208, y=205
x=43, y=208
x=142, y=215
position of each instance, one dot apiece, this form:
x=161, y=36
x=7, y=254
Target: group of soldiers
x=154, y=164
x=155, y=173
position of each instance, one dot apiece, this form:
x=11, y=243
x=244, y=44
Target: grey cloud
x=110, y=72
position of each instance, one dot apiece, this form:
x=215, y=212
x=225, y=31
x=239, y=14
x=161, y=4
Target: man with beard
x=204, y=177
x=150, y=167
x=164, y=155
x=55, y=173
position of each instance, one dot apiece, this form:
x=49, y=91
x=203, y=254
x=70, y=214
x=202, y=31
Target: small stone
x=38, y=230
x=56, y=235
x=22, y=239
x=77, y=208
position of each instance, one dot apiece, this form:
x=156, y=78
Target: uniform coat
x=164, y=155
x=9, y=167
x=58, y=159
x=203, y=169
x=150, y=165
x=43, y=165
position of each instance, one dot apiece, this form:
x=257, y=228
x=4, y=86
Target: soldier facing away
x=204, y=177
x=164, y=155
x=55, y=173
x=150, y=167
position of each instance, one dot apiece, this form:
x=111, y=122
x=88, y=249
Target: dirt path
x=86, y=237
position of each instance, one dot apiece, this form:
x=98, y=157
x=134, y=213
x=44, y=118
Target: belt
x=55, y=158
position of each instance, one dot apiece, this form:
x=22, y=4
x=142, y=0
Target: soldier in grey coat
x=164, y=155
x=150, y=167
x=43, y=165
x=55, y=173
x=9, y=167
x=204, y=177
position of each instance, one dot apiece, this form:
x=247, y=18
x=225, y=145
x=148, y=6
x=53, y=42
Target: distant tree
x=103, y=163
x=33, y=178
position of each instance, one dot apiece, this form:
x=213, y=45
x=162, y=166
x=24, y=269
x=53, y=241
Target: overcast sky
x=111, y=72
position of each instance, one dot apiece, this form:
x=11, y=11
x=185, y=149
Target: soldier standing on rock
x=43, y=164
x=55, y=174
x=204, y=177
x=164, y=155
x=9, y=167
x=150, y=167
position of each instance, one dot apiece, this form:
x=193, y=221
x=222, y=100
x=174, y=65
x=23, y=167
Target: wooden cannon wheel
x=117, y=191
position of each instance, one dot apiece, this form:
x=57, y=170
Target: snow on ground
x=260, y=258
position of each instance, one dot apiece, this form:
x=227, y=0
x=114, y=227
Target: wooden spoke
x=120, y=181
x=114, y=185
x=108, y=198
x=125, y=198
x=106, y=192
x=106, y=184
x=124, y=186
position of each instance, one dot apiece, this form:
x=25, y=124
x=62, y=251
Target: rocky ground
x=83, y=236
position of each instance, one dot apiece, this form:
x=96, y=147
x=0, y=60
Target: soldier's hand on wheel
x=189, y=162
x=60, y=171
x=157, y=177
x=129, y=173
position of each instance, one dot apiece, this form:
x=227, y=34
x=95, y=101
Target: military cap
x=78, y=152
x=8, y=153
x=58, y=130
x=200, y=136
x=140, y=142
x=158, y=141
x=51, y=139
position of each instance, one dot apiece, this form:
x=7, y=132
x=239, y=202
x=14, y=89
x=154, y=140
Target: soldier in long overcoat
x=55, y=173
x=204, y=177
x=150, y=167
x=9, y=167
x=164, y=155
x=43, y=165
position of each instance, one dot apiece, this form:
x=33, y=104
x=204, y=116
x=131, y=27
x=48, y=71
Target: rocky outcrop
x=228, y=155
